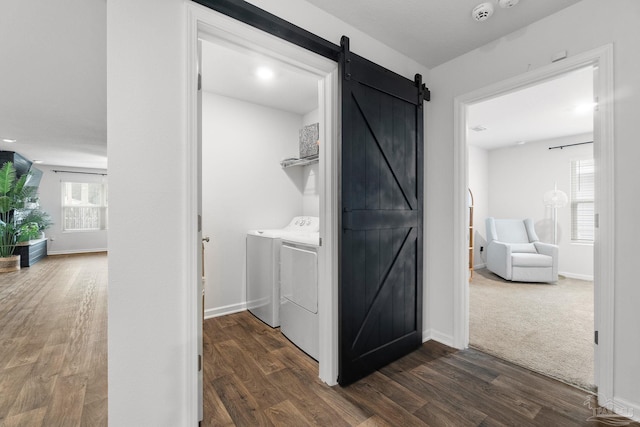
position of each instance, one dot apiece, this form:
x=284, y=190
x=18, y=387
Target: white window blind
x=582, y=195
x=84, y=206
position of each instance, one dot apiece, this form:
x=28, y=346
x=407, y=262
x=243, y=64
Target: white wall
x=148, y=310
x=311, y=190
x=50, y=193
x=518, y=178
x=146, y=130
x=584, y=26
x=479, y=185
x=331, y=28
x=310, y=176
x=243, y=188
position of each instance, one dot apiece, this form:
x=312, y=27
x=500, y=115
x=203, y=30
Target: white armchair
x=515, y=253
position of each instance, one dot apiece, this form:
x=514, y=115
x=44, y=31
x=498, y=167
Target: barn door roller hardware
x=347, y=58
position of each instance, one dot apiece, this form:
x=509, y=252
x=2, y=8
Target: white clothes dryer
x=299, y=291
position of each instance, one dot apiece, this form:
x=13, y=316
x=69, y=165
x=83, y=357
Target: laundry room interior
x=260, y=171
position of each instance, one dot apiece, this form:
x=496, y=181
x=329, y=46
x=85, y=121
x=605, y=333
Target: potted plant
x=28, y=231
x=34, y=222
x=13, y=194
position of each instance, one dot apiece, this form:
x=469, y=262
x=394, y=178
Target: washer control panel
x=304, y=224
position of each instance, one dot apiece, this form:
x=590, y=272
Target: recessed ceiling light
x=521, y=142
x=37, y=161
x=585, y=108
x=9, y=140
x=264, y=73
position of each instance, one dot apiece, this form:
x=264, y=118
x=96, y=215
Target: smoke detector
x=482, y=12
x=505, y=4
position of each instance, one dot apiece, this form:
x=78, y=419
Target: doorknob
x=206, y=239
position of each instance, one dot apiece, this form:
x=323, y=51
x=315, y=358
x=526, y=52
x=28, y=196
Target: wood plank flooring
x=53, y=343
x=53, y=369
x=255, y=377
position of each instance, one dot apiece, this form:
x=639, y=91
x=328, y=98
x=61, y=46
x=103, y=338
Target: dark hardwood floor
x=53, y=343
x=255, y=377
x=53, y=369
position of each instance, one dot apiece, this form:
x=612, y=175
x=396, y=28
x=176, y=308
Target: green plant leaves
x=13, y=194
x=7, y=178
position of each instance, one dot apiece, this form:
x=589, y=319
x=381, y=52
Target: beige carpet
x=547, y=328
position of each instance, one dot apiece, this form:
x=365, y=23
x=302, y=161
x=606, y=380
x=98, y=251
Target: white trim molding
x=77, y=251
x=602, y=61
x=587, y=277
x=618, y=406
x=190, y=226
x=328, y=253
x=624, y=408
x=210, y=313
x=430, y=334
x=604, y=247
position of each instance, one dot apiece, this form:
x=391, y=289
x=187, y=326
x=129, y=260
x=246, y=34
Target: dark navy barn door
x=380, y=290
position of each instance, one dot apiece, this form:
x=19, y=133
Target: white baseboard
x=562, y=273
x=576, y=276
x=224, y=310
x=76, y=251
x=625, y=408
x=430, y=334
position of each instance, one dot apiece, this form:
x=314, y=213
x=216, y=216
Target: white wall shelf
x=287, y=163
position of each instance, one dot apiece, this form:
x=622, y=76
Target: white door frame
x=206, y=23
x=602, y=59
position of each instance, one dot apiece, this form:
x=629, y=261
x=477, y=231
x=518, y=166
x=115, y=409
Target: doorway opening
x=601, y=60
x=233, y=160
x=531, y=157
x=253, y=109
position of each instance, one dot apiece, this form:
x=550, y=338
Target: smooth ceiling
x=545, y=111
x=231, y=71
x=53, y=78
x=433, y=32
x=53, y=82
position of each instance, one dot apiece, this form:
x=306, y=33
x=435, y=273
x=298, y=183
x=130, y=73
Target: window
x=582, y=194
x=84, y=206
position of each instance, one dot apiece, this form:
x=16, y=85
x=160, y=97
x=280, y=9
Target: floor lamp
x=555, y=199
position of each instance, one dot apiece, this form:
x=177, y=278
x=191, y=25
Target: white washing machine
x=263, y=267
x=299, y=291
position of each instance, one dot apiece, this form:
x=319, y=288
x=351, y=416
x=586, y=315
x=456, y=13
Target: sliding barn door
x=380, y=290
